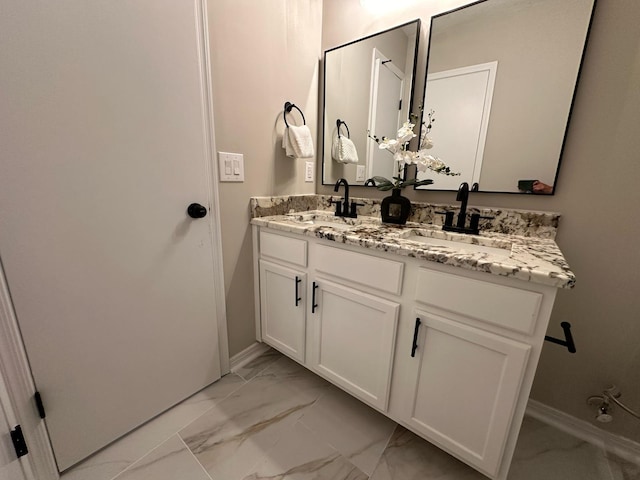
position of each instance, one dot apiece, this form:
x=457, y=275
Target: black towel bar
x=567, y=342
x=288, y=106
x=342, y=122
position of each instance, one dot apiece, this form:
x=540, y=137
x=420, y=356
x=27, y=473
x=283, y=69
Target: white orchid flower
x=402, y=157
x=427, y=142
x=405, y=133
x=422, y=166
x=390, y=144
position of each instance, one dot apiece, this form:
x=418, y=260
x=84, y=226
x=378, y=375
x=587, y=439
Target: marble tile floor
x=273, y=419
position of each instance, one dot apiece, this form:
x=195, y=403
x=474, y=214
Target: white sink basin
x=502, y=249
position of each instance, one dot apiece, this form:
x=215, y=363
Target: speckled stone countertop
x=525, y=257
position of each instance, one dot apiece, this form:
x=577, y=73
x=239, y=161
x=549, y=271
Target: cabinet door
x=282, y=308
x=462, y=388
x=353, y=340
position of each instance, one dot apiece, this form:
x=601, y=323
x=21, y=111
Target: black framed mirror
x=368, y=87
x=501, y=78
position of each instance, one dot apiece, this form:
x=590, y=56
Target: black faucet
x=460, y=227
x=342, y=208
x=342, y=211
x=463, y=198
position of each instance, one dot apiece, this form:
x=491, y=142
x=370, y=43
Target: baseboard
x=621, y=446
x=245, y=356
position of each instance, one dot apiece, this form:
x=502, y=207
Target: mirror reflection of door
x=461, y=99
x=385, y=108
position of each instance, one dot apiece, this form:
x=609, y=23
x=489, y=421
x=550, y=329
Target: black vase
x=396, y=208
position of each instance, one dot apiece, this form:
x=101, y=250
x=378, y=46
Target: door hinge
x=18, y=441
x=400, y=105
x=39, y=405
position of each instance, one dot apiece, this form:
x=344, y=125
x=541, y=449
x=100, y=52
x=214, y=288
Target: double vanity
x=437, y=330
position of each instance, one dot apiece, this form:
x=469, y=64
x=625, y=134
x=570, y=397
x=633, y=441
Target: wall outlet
x=360, y=173
x=231, y=167
x=308, y=171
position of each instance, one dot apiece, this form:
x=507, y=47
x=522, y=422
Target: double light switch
x=231, y=167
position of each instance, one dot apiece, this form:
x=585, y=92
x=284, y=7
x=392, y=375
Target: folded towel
x=297, y=142
x=343, y=150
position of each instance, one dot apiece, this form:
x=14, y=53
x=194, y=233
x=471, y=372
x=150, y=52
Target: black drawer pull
x=298, y=280
x=414, y=347
x=314, y=305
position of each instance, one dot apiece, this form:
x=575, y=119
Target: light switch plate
x=308, y=171
x=360, y=173
x=231, y=167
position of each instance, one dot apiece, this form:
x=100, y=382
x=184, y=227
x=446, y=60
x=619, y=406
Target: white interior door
x=384, y=113
x=461, y=99
x=105, y=142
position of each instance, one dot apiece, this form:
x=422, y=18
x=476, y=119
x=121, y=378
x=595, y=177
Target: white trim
x=621, y=446
x=40, y=464
x=256, y=282
x=9, y=421
x=214, y=205
x=250, y=353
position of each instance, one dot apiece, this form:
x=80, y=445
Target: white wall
x=263, y=53
x=597, y=193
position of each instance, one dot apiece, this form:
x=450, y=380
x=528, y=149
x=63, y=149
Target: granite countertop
x=527, y=258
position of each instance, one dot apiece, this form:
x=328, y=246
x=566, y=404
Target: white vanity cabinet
x=282, y=295
x=462, y=387
x=352, y=340
x=447, y=352
x=353, y=327
x=283, y=306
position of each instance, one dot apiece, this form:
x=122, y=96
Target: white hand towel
x=343, y=150
x=286, y=144
x=299, y=138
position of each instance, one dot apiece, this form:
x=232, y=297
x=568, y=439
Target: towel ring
x=288, y=106
x=339, y=123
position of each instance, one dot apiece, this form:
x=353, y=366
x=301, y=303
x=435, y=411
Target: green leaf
x=383, y=184
x=426, y=181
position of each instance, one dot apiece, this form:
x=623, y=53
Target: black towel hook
x=341, y=122
x=288, y=106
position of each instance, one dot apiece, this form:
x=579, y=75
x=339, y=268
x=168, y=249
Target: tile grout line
x=266, y=367
x=317, y=436
x=195, y=458
x=386, y=446
x=177, y=432
x=217, y=402
x=148, y=453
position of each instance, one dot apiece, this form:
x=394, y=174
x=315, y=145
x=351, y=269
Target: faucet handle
x=352, y=211
x=338, y=207
x=448, y=218
x=475, y=220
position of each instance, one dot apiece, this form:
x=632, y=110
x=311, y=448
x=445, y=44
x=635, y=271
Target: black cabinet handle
x=314, y=305
x=298, y=280
x=414, y=346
